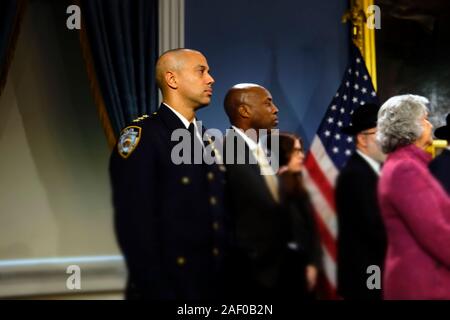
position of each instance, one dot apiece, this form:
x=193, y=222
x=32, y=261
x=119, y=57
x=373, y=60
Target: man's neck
x=244, y=129
x=181, y=108
x=371, y=161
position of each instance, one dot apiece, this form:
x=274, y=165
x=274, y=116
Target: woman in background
x=304, y=235
x=414, y=206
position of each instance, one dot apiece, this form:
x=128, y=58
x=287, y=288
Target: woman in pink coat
x=414, y=206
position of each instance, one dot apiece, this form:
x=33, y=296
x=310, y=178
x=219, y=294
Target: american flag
x=329, y=152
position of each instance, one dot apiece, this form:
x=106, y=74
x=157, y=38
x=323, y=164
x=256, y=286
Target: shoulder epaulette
x=130, y=136
x=139, y=119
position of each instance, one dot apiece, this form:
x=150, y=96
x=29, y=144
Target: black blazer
x=261, y=264
x=304, y=228
x=169, y=219
x=361, y=233
x=440, y=168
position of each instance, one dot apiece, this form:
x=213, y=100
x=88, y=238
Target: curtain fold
x=120, y=46
x=11, y=14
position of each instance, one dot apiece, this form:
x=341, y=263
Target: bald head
x=236, y=97
x=250, y=105
x=171, y=61
x=184, y=79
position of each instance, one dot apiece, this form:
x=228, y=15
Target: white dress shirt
x=186, y=122
x=266, y=170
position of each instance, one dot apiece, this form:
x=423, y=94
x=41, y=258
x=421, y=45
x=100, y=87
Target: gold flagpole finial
x=363, y=36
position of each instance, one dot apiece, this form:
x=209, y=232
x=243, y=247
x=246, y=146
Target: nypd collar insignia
x=128, y=141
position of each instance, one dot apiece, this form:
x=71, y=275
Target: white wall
x=54, y=187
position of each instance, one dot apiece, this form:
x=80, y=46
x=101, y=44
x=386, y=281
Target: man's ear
x=171, y=79
x=244, y=111
x=360, y=140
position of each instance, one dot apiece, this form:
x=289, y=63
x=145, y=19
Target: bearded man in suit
x=361, y=235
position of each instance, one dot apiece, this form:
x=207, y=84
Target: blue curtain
x=123, y=43
x=11, y=12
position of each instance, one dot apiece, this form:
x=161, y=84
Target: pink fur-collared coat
x=416, y=213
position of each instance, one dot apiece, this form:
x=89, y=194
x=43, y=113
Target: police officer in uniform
x=169, y=217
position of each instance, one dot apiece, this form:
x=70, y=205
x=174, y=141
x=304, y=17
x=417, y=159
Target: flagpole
x=363, y=36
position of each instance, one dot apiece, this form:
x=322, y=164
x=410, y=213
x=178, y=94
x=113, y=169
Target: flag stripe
x=326, y=238
x=328, y=289
x=329, y=152
x=323, y=161
x=320, y=179
x=320, y=205
x=330, y=268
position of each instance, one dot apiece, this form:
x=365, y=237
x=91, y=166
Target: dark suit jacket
x=361, y=235
x=261, y=266
x=169, y=219
x=440, y=168
x=304, y=229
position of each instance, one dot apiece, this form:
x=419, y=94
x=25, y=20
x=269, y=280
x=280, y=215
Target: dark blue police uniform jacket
x=169, y=219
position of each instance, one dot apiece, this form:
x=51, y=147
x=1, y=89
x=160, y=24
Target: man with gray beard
x=361, y=235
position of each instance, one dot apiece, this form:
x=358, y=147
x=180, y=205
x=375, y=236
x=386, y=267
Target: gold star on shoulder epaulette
x=128, y=141
x=139, y=119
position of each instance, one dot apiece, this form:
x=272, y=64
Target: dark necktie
x=196, y=146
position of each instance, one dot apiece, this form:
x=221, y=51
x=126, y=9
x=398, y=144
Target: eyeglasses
x=368, y=133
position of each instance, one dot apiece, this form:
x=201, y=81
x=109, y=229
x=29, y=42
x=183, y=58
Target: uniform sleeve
x=425, y=208
x=137, y=223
